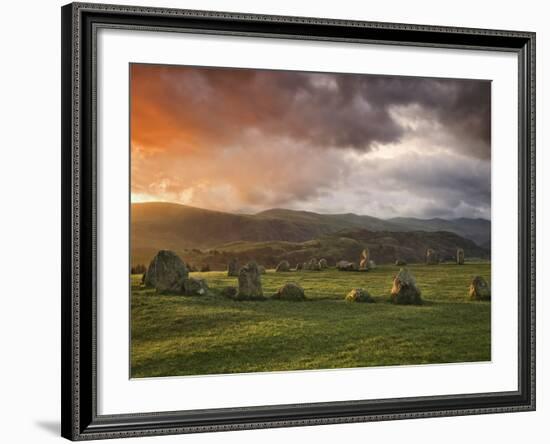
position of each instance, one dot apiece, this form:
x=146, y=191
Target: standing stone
x=193, y=287
x=359, y=295
x=479, y=289
x=404, y=289
x=346, y=266
x=364, y=261
x=323, y=264
x=166, y=272
x=233, y=267
x=431, y=257
x=460, y=256
x=372, y=265
x=229, y=292
x=250, y=284
x=312, y=265
x=282, y=267
x=290, y=292
x=299, y=266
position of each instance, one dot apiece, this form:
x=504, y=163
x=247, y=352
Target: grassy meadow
x=199, y=335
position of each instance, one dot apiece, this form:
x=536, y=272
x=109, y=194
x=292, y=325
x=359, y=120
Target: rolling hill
x=282, y=233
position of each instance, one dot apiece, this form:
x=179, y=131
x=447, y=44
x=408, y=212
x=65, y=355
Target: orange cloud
x=247, y=140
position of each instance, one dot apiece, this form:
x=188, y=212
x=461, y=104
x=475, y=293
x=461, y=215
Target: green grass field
x=191, y=335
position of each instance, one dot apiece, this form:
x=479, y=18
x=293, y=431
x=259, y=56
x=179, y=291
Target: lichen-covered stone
x=194, y=287
x=229, y=292
x=432, y=257
x=460, y=256
x=250, y=284
x=312, y=265
x=290, y=292
x=166, y=272
x=346, y=266
x=404, y=289
x=283, y=266
x=364, y=260
x=233, y=267
x=359, y=295
x=323, y=264
x=479, y=289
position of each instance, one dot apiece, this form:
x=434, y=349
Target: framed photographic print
x=281, y=221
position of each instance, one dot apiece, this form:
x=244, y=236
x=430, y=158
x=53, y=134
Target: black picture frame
x=80, y=420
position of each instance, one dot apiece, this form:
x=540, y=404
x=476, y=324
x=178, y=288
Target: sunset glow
x=245, y=140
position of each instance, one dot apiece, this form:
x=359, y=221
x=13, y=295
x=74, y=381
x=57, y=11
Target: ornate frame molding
x=80, y=22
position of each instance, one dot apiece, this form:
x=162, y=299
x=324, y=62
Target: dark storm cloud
x=324, y=110
x=247, y=140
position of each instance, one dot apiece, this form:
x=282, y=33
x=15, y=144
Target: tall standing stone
x=166, y=272
x=250, y=284
x=364, y=261
x=233, y=267
x=404, y=289
x=432, y=257
x=460, y=256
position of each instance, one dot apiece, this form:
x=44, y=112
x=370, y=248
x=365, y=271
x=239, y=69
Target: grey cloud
x=327, y=110
x=288, y=133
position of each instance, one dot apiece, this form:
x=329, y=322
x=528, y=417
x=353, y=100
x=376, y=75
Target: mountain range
x=157, y=225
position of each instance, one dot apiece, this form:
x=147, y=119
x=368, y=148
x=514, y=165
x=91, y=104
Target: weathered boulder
x=193, y=287
x=250, y=284
x=229, y=292
x=432, y=258
x=372, y=265
x=404, y=289
x=364, y=260
x=233, y=267
x=346, y=266
x=312, y=265
x=323, y=264
x=283, y=267
x=359, y=295
x=166, y=272
x=460, y=256
x=262, y=269
x=290, y=292
x=479, y=289
x=400, y=263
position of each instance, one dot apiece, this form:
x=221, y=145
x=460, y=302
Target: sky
x=247, y=140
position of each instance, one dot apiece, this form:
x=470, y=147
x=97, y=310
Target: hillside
x=385, y=247
x=210, y=237
x=478, y=230
x=173, y=226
